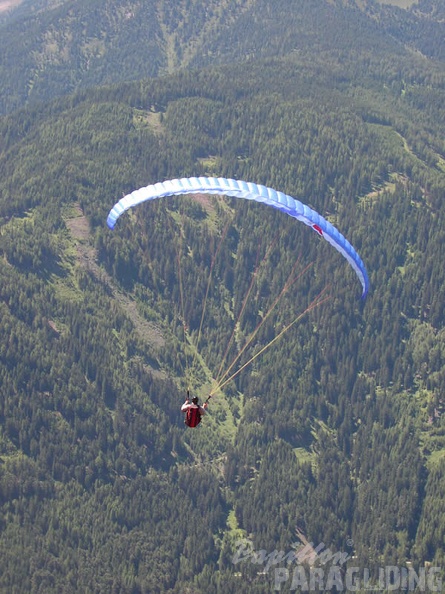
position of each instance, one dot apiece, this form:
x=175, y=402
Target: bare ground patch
x=8, y=4
x=79, y=225
x=205, y=201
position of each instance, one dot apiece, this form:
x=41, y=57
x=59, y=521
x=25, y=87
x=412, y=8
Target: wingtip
x=111, y=222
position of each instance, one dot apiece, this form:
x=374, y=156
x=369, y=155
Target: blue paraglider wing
x=248, y=191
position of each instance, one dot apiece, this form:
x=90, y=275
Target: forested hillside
x=334, y=434
x=49, y=49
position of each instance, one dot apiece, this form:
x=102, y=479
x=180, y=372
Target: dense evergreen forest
x=51, y=48
x=335, y=433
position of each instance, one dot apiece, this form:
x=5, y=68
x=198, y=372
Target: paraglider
x=258, y=193
x=193, y=410
x=249, y=191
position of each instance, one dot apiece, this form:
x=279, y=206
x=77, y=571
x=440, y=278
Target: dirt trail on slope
x=79, y=228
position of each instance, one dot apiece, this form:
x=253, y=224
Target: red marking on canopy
x=318, y=229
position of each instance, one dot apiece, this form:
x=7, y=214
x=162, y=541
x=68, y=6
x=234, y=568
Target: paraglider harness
x=193, y=416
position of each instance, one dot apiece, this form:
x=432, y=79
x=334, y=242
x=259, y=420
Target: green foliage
x=52, y=49
x=335, y=431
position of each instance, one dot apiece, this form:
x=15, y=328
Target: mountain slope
x=48, y=50
x=336, y=429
